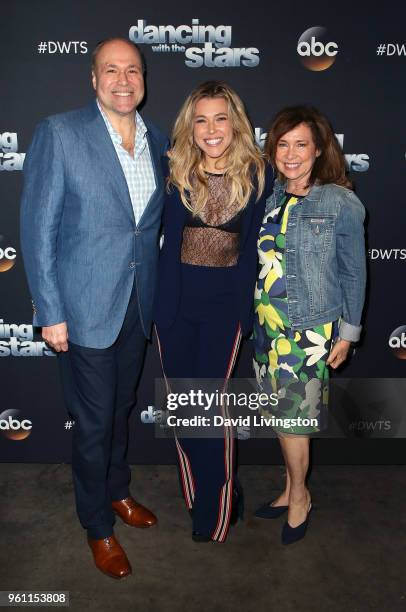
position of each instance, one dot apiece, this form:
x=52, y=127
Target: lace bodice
x=213, y=237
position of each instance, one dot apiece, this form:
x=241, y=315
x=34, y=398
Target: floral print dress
x=287, y=361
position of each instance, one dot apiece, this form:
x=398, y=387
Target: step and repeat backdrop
x=348, y=61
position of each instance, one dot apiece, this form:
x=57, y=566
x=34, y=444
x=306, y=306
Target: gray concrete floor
x=353, y=557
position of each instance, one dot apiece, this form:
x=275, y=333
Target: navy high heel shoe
x=294, y=534
x=237, y=509
x=267, y=511
x=200, y=537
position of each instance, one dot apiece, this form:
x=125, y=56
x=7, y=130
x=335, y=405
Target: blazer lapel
x=106, y=156
x=247, y=219
x=157, y=168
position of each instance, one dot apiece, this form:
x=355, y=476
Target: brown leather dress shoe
x=109, y=557
x=134, y=514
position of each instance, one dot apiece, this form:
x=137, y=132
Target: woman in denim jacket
x=309, y=294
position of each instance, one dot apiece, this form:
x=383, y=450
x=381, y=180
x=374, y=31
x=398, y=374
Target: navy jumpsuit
x=203, y=306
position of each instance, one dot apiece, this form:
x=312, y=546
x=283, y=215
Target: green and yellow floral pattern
x=289, y=362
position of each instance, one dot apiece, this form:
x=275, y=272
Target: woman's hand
x=339, y=353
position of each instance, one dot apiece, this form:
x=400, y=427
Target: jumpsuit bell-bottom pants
x=203, y=343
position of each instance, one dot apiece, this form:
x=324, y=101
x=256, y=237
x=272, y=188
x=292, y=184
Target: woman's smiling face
x=296, y=153
x=212, y=130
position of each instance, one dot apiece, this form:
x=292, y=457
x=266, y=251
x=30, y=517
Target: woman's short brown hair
x=330, y=166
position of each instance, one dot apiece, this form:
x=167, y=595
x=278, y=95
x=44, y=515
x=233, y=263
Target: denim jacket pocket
x=316, y=232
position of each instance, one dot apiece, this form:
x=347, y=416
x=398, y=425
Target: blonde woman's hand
x=338, y=353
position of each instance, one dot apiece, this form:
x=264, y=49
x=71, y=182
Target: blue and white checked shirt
x=138, y=171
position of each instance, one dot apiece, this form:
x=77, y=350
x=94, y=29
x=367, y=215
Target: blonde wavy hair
x=244, y=160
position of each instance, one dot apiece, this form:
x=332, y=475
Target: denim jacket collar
x=314, y=194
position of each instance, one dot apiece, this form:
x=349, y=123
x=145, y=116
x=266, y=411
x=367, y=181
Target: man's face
x=118, y=79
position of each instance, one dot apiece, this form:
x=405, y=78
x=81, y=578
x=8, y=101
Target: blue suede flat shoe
x=294, y=534
x=267, y=511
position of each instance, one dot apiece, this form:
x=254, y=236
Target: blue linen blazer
x=80, y=243
x=168, y=290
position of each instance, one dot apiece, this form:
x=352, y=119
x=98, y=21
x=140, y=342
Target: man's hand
x=339, y=353
x=56, y=336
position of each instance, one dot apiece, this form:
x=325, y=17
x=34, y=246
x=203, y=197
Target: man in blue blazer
x=90, y=220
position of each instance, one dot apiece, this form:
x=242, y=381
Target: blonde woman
x=217, y=187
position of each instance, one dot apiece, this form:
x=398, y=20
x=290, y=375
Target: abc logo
x=316, y=51
x=397, y=342
x=7, y=255
x=13, y=427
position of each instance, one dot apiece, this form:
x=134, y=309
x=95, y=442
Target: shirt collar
x=140, y=132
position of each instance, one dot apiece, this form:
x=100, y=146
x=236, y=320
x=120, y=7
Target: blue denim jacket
x=325, y=258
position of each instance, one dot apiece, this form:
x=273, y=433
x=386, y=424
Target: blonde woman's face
x=212, y=130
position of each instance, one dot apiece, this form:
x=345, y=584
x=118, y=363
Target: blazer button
x=137, y=232
x=131, y=265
